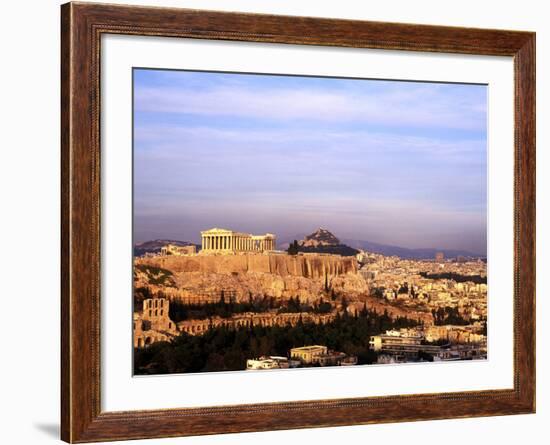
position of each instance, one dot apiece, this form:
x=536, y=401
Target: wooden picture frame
x=82, y=26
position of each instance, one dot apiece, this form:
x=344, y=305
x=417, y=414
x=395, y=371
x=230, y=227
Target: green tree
x=293, y=248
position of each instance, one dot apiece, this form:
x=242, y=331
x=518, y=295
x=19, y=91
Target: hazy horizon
x=391, y=162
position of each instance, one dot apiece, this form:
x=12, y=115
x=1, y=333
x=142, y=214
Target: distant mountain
x=323, y=241
x=154, y=246
x=321, y=237
x=406, y=253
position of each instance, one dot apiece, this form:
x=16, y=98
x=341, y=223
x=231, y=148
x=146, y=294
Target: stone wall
x=199, y=327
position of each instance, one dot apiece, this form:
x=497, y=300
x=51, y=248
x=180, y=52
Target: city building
x=398, y=346
x=308, y=354
x=225, y=241
x=396, y=342
x=322, y=356
x=402, y=344
x=271, y=362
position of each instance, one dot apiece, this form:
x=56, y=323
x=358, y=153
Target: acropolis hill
x=245, y=264
x=315, y=266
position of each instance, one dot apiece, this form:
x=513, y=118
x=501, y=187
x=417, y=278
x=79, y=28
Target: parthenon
x=223, y=240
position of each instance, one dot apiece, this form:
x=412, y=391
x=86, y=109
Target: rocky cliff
x=308, y=266
x=274, y=275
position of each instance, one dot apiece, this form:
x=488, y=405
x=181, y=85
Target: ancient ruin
x=227, y=241
x=153, y=324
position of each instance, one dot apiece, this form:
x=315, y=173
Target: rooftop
x=309, y=348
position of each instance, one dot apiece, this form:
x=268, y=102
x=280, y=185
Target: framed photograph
x=274, y=222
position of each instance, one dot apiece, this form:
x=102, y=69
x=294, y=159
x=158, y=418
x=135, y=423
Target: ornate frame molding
x=82, y=25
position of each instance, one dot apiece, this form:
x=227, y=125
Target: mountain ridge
x=421, y=253
x=321, y=237
x=307, y=245
x=323, y=241
x=154, y=246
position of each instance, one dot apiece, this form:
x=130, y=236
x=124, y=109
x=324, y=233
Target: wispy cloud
x=395, y=162
x=180, y=140
x=418, y=106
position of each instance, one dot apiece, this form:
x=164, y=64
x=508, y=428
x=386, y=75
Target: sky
x=392, y=162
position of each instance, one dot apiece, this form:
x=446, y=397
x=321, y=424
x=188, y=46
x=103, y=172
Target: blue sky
x=400, y=163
